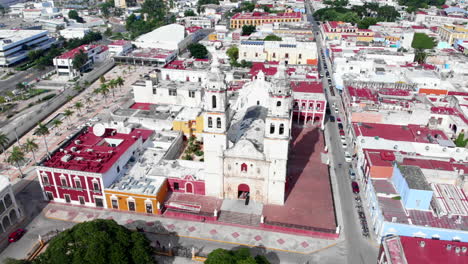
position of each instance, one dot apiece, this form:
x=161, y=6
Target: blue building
x=403, y=206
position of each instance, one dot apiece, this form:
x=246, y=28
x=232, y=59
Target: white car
x=344, y=144
x=347, y=156
x=343, y=139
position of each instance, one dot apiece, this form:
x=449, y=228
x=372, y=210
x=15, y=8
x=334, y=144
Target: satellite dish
x=99, y=130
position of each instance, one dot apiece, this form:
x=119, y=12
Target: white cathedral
x=246, y=137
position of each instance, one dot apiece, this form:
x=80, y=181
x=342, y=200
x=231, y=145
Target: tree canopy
x=189, y=12
x=413, y=5
x=422, y=41
x=233, y=53
x=97, y=242
x=364, y=16
x=240, y=256
x=156, y=12
x=461, y=141
x=80, y=60
x=248, y=29
x=272, y=38
x=198, y=51
x=72, y=14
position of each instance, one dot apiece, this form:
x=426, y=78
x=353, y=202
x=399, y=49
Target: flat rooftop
x=260, y=15
x=189, y=64
x=179, y=169
x=394, y=209
x=415, y=178
x=159, y=54
x=188, y=113
x=409, y=133
x=12, y=36
x=89, y=152
x=409, y=250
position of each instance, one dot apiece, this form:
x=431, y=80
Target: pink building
x=309, y=102
x=82, y=167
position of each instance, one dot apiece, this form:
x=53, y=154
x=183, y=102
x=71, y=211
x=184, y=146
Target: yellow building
x=142, y=195
x=365, y=35
x=190, y=122
x=213, y=37
x=257, y=18
x=449, y=33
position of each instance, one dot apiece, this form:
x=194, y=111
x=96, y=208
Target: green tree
x=80, y=60
x=422, y=41
x=240, y=256
x=461, y=141
x=104, y=90
x=98, y=242
x=31, y=146
x=272, y=38
x=16, y=157
x=78, y=105
x=189, y=13
x=119, y=81
x=105, y=8
x=73, y=14
x=68, y=113
x=247, y=30
x=233, y=54
x=420, y=56
x=156, y=9
x=198, y=51
x=56, y=123
x=102, y=79
x=16, y=261
x=112, y=85
x=108, y=32
x=366, y=22
x=4, y=140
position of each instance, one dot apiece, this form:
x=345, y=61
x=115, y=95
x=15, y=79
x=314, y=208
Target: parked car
x=338, y=119
x=15, y=236
x=340, y=126
x=351, y=173
x=344, y=144
x=347, y=156
x=355, y=187
x=332, y=119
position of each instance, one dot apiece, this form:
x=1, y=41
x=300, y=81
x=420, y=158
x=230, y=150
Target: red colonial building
x=79, y=170
x=310, y=102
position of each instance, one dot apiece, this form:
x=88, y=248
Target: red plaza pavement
x=309, y=199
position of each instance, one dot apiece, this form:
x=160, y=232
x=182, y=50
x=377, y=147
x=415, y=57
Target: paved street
x=22, y=76
x=359, y=249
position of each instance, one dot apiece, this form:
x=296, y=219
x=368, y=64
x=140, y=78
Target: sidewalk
x=195, y=230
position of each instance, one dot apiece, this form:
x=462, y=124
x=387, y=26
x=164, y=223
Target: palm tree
x=43, y=130
x=4, y=142
x=120, y=82
x=31, y=146
x=68, y=113
x=112, y=84
x=104, y=90
x=56, y=123
x=102, y=79
x=78, y=106
x=16, y=157
x=77, y=87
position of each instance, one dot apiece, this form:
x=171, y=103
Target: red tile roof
x=409, y=133
x=307, y=87
x=433, y=252
x=120, y=42
x=72, y=53
x=90, y=153
x=260, y=15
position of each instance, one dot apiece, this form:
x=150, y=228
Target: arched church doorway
x=243, y=191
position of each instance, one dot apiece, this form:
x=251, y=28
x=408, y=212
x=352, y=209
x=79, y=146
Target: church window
x=286, y=55
x=274, y=55
x=272, y=128
x=278, y=103
x=210, y=122
x=213, y=101
x=243, y=167
x=176, y=186
x=218, y=122
x=191, y=94
x=300, y=56
x=281, y=129
x=172, y=92
x=187, y=78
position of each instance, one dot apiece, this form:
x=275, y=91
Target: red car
x=15, y=236
x=355, y=187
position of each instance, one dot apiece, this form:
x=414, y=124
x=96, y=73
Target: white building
x=15, y=44
x=9, y=210
x=119, y=47
x=64, y=63
x=289, y=50
x=166, y=37
x=246, y=143
x=70, y=33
